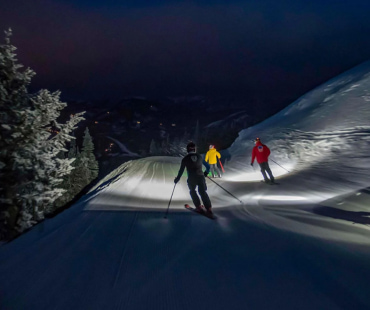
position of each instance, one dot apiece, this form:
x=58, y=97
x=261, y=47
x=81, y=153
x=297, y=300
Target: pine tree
x=85, y=170
x=13, y=101
x=78, y=175
x=68, y=184
x=30, y=140
x=72, y=153
x=88, y=158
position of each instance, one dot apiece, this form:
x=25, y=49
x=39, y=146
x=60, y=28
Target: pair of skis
x=203, y=212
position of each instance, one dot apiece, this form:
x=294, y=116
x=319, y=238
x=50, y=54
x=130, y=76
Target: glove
x=177, y=179
x=252, y=164
x=206, y=173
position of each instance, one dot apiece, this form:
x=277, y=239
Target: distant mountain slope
x=328, y=124
x=136, y=121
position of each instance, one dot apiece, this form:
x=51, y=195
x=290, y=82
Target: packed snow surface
x=302, y=244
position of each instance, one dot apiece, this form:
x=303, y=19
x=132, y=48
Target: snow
x=302, y=244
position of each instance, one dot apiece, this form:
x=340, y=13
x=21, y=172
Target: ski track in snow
x=124, y=251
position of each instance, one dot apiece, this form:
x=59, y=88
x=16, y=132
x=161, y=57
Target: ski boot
x=199, y=209
x=209, y=211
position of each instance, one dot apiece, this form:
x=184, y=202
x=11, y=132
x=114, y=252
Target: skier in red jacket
x=262, y=152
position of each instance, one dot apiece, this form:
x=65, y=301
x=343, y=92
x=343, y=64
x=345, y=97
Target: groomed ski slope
x=303, y=244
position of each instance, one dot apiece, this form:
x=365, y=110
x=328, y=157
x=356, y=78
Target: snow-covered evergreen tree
x=85, y=170
x=68, y=184
x=78, y=177
x=13, y=101
x=88, y=159
x=72, y=153
x=30, y=140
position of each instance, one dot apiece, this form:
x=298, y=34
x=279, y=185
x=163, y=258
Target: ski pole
x=222, y=167
x=279, y=165
x=225, y=190
x=165, y=216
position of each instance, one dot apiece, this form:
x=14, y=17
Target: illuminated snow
x=320, y=149
x=302, y=244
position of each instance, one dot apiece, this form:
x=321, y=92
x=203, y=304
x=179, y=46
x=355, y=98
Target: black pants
x=200, y=182
x=266, y=168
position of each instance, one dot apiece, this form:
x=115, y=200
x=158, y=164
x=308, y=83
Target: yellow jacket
x=211, y=156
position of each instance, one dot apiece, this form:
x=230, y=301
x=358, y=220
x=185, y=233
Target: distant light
x=160, y=124
x=138, y=122
x=108, y=112
x=173, y=125
x=96, y=122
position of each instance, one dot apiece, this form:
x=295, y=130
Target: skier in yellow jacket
x=211, y=158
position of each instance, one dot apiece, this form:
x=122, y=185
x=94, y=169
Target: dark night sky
x=261, y=50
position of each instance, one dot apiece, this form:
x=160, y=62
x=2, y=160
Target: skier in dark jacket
x=262, y=152
x=196, y=177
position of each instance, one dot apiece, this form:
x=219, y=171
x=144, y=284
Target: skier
x=196, y=178
x=211, y=158
x=262, y=152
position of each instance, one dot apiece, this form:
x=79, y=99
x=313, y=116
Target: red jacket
x=260, y=151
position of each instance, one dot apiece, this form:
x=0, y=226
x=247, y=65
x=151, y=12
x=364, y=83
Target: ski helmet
x=190, y=147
